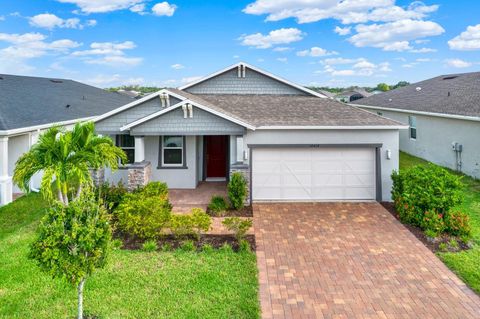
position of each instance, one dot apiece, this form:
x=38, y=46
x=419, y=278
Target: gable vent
x=450, y=77
x=242, y=69
x=56, y=81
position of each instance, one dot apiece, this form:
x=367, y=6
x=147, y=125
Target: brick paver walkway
x=350, y=260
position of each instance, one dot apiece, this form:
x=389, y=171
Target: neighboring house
x=328, y=94
x=29, y=105
x=351, y=95
x=130, y=93
x=291, y=143
x=444, y=118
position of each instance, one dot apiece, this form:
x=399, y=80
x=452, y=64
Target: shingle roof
x=455, y=94
x=29, y=101
x=295, y=110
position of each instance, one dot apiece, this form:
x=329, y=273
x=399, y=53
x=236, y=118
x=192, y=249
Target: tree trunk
x=79, y=191
x=80, y=299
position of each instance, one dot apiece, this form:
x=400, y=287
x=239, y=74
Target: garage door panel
x=313, y=174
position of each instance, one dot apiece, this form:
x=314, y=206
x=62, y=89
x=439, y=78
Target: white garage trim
x=375, y=147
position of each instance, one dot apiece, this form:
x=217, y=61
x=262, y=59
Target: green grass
x=465, y=264
x=135, y=284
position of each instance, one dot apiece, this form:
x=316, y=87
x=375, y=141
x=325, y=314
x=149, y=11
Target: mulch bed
x=433, y=246
x=216, y=241
x=246, y=211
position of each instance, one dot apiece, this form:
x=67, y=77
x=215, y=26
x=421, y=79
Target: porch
x=183, y=200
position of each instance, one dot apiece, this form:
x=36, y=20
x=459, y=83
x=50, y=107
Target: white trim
x=200, y=106
x=299, y=87
x=450, y=116
x=43, y=126
x=182, y=148
x=356, y=127
x=137, y=102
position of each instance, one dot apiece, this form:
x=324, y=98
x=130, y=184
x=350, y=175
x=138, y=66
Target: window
x=127, y=144
x=412, y=121
x=172, y=151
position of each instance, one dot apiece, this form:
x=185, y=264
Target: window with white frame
x=127, y=144
x=412, y=121
x=172, y=152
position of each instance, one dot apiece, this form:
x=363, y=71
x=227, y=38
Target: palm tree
x=66, y=157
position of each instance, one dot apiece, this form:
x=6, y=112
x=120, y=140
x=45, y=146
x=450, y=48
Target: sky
x=311, y=42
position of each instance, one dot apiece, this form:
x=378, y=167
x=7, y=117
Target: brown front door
x=216, y=156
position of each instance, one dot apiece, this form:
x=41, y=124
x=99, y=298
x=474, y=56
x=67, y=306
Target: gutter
x=358, y=127
x=443, y=115
x=43, y=126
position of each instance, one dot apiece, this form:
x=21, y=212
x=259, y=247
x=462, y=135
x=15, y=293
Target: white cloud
x=164, y=9
x=23, y=47
x=394, y=36
x=347, y=11
x=353, y=67
x=91, y=22
x=280, y=36
x=458, y=63
x=138, y=8
x=103, y=80
x=342, y=31
x=283, y=60
x=177, y=66
x=467, y=40
x=423, y=50
x=99, y=6
x=316, y=52
x=282, y=49
x=190, y=79
x=109, y=53
x=50, y=21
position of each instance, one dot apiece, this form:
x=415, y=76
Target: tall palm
x=66, y=157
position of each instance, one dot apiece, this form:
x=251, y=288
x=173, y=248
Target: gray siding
x=112, y=125
x=435, y=136
x=389, y=139
x=253, y=83
x=202, y=123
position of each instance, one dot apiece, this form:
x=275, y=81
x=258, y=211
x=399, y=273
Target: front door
x=216, y=156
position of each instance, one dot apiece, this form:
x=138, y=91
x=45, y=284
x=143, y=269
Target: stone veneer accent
x=98, y=176
x=138, y=174
x=245, y=170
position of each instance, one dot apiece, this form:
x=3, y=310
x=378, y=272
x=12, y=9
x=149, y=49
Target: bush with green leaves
x=193, y=224
x=150, y=245
x=457, y=223
x=188, y=245
x=238, y=226
x=425, y=188
x=111, y=194
x=433, y=222
x=237, y=190
x=218, y=205
x=144, y=213
x=73, y=241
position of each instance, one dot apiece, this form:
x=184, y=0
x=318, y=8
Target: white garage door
x=313, y=174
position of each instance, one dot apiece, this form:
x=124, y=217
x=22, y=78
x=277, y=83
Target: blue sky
x=312, y=42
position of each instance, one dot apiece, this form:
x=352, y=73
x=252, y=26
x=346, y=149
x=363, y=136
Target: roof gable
x=242, y=78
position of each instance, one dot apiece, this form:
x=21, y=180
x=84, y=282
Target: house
x=29, y=105
x=352, y=94
x=444, y=118
x=291, y=143
x=328, y=94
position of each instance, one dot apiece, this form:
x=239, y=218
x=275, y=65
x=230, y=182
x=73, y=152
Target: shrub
x=453, y=244
x=443, y=247
x=111, y=195
x=207, y=248
x=237, y=190
x=117, y=244
x=154, y=189
x=166, y=247
x=244, y=246
x=150, y=245
x=191, y=224
x=218, y=205
x=430, y=234
x=458, y=224
x=433, y=222
x=238, y=226
x=188, y=245
x=226, y=247
x=144, y=213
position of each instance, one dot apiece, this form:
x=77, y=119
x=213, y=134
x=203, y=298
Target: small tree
x=73, y=241
x=65, y=157
x=237, y=190
x=383, y=87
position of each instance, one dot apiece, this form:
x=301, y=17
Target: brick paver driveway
x=350, y=260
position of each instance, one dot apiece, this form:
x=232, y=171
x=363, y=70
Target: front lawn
x=135, y=284
x=466, y=263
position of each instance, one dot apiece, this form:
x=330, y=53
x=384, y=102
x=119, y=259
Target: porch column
x=5, y=180
x=139, y=149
